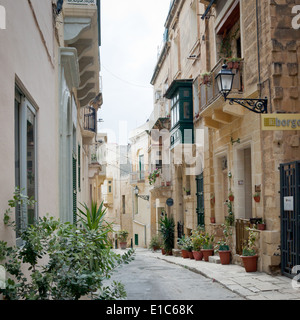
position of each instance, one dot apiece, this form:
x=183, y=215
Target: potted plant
x=249, y=255
x=155, y=243
x=184, y=245
x=207, y=248
x=256, y=197
x=122, y=236
x=197, y=243
x=233, y=63
x=261, y=225
x=231, y=196
x=223, y=245
x=206, y=77
x=229, y=220
x=167, y=231
x=153, y=176
x=187, y=191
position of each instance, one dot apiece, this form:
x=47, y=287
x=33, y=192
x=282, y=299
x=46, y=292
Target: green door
x=200, y=200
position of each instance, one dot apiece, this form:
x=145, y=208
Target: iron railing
x=90, y=122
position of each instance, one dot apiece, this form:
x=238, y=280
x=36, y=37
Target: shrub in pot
x=223, y=245
x=185, y=244
x=155, y=243
x=208, y=246
x=167, y=231
x=197, y=243
x=249, y=255
x=122, y=236
x=261, y=225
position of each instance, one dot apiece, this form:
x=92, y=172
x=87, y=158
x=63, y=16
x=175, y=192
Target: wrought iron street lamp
x=136, y=191
x=225, y=81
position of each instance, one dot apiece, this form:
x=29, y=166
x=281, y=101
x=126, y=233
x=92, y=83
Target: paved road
x=148, y=278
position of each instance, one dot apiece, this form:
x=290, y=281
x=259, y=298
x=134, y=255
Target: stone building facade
x=50, y=95
x=239, y=155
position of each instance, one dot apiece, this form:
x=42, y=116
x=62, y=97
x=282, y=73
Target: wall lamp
x=136, y=191
x=225, y=80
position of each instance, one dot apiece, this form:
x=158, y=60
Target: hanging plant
x=206, y=78
x=256, y=197
x=153, y=176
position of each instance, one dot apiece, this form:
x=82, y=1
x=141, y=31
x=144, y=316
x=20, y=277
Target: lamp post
x=136, y=191
x=225, y=80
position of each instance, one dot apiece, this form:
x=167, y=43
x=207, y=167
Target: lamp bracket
x=254, y=105
x=146, y=198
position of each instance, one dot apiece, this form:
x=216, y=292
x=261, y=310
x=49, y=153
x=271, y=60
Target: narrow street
x=148, y=278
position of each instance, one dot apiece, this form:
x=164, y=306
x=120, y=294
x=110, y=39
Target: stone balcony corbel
x=74, y=27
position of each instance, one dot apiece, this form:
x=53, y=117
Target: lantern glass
x=225, y=81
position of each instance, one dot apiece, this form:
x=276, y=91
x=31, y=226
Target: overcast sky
x=131, y=32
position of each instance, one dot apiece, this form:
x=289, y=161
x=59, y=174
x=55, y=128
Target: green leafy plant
x=208, y=241
x=123, y=235
x=249, y=248
x=197, y=239
x=19, y=202
x=187, y=191
x=155, y=243
x=153, y=176
x=230, y=219
x=185, y=243
x=223, y=244
x=59, y=261
x=167, y=231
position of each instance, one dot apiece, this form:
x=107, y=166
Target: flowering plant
x=152, y=176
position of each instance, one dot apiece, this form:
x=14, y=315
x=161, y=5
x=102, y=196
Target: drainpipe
x=258, y=46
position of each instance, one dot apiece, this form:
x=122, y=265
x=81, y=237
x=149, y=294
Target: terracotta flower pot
x=207, y=253
x=261, y=226
x=225, y=256
x=191, y=256
x=229, y=65
x=236, y=65
x=123, y=245
x=257, y=199
x=250, y=263
x=231, y=198
x=184, y=254
x=163, y=251
x=198, y=255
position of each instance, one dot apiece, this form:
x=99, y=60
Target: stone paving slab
x=251, y=286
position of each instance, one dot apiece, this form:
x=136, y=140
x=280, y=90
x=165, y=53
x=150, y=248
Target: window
x=141, y=167
x=25, y=159
x=123, y=204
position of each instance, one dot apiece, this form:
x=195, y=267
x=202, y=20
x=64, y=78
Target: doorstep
x=214, y=259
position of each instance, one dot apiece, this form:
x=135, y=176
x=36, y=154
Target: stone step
x=214, y=259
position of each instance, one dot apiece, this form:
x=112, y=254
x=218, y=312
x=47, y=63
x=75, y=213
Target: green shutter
x=74, y=189
x=79, y=167
x=136, y=239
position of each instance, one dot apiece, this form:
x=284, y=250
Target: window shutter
x=79, y=167
x=74, y=189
